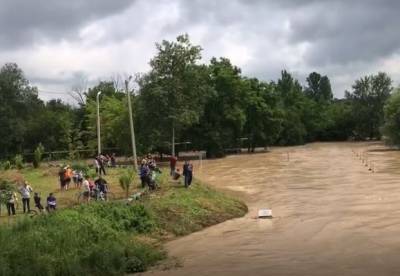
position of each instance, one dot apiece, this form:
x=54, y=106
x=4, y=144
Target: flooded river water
x=332, y=215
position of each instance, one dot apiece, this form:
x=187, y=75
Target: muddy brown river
x=332, y=214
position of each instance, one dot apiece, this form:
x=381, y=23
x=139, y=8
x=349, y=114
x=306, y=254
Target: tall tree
x=172, y=94
x=263, y=118
x=368, y=99
x=19, y=102
x=292, y=107
x=319, y=88
x=391, y=128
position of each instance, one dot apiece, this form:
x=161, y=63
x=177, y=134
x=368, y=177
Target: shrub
x=38, y=154
x=81, y=166
x=126, y=181
x=19, y=161
x=6, y=165
x=95, y=239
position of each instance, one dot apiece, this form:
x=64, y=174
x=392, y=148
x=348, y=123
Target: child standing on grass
x=37, y=200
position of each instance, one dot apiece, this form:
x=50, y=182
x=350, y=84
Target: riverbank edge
x=186, y=211
x=132, y=235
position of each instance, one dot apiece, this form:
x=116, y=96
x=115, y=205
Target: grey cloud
x=343, y=37
x=347, y=31
x=338, y=31
x=23, y=23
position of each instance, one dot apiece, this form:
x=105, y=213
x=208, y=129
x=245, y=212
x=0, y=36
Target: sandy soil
x=332, y=215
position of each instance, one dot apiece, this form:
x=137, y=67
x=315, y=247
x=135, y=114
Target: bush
x=94, y=239
x=126, y=181
x=38, y=154
x=6, y=165
x=81, y=166
x=19, y=161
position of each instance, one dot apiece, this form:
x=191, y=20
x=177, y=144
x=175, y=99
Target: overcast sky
x=57, y=42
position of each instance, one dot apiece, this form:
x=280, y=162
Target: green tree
x=114, y=123
x=107, y=88
x=172, y=94
x=291, y=105
x=51, y=126
x=19, y=103
x=319, y=88
x=263, y=119
x=391, y=128
x=222, y=122
x=368, y=99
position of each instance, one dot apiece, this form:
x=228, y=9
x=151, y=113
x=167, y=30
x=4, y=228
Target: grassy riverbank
x=111, y=238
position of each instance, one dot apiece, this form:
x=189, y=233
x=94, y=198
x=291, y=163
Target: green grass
x=107, y=238
x=181, y=211
x=45, y=180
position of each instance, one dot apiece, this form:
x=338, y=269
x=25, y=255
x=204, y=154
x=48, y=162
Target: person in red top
x=172, y=164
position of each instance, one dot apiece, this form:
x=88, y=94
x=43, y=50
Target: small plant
x=19, y=161
x=81, y=166
x=6, y=165
x=126, y=180
x=38, y=154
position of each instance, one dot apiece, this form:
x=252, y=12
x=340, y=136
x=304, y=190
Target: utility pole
x=98, y=123
x=173, y=140
x=131, y=124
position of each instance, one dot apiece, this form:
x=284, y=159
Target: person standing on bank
x=188, y=173
x=11, y=199
x=26, y=191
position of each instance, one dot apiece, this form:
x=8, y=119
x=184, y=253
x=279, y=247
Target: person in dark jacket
x=188, y=173
x=144, y=173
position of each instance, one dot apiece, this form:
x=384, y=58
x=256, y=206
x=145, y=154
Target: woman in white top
x=26, y=191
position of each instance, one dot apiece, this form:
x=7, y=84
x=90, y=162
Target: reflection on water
x=333, y=216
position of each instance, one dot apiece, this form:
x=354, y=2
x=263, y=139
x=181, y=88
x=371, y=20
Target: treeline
x=212, y=106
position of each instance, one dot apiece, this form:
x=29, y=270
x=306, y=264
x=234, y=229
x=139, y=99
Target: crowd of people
x=148, y=172
x=104, y=160
x=98, y=188
x=25, y=190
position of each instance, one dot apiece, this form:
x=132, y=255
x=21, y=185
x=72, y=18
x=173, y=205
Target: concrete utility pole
x=131, y=124
x=173, y=140
x=98, y=123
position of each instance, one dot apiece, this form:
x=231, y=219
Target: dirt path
x=332, y=215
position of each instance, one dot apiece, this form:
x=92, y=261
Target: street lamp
x=98, y=123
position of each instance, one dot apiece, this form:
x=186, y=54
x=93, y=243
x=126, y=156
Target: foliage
x=368, y=99
x=391, y=128
x=173, y=93
x=81, y=166
x=37, y=159
x=319, y=88
x=114, y=120
x=6, y=165
x=211, y=105
x=110, y=238
x=126, y=181
x=101, y=243
x=19, y=161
